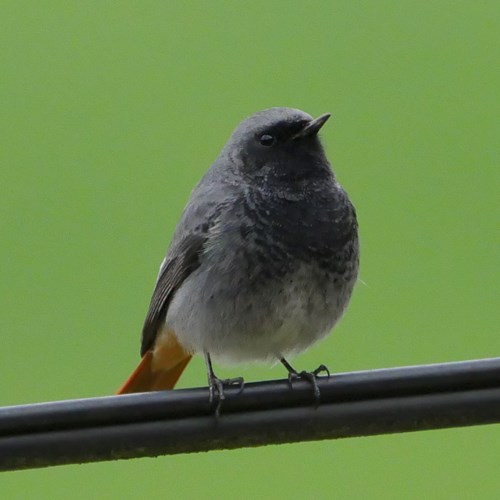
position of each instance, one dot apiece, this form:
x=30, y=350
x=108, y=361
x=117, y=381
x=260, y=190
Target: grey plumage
x=265, y=257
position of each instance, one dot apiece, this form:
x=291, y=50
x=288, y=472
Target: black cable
x=150, y=424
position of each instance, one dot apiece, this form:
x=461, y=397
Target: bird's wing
x=181, y=261
x=208, y=200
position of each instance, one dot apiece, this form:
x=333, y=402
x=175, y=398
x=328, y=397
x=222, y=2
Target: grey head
x=277, y=145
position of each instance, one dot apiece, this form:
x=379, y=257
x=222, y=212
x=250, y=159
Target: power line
x=182, y=421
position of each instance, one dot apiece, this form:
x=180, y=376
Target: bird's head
x=279, y=144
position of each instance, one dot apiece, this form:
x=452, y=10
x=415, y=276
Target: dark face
x=280, y=145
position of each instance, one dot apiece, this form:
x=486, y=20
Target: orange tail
x=159, y=369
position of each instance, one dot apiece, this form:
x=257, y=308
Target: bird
x=262, y=263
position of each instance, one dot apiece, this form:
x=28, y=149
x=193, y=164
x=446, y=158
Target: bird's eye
x=267, y=140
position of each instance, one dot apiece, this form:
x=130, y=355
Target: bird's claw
x=311, y=377
x=321, y=369
x=216, y=384
x=236, y=381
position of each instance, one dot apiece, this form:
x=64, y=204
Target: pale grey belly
x=235, y=321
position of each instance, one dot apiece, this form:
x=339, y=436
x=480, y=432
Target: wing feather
x=175, y=269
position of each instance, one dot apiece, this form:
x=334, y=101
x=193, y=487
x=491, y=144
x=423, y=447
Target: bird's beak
x=312, y=128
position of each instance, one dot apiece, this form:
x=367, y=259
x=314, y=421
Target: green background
x=111, y=111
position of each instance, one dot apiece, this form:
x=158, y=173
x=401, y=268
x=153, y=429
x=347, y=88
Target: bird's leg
x=216, y=384
x=311, y=377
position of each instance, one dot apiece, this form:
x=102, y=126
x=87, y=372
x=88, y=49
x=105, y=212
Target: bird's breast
x=255, y=297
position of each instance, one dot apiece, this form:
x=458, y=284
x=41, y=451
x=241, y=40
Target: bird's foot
x=311, y=377
x=215, y=384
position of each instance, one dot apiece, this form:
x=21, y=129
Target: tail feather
x=145, y=378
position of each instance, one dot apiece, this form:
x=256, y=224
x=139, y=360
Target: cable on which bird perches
x=182, y=421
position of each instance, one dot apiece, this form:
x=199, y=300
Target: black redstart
x=263, y=261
